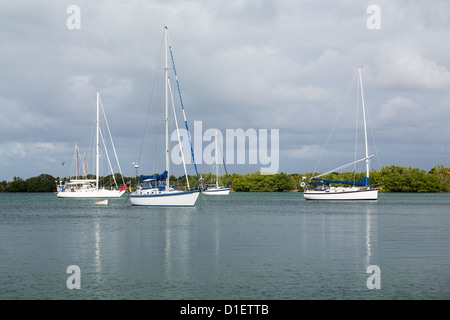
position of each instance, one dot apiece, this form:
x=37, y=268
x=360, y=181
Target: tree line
x=388, y=179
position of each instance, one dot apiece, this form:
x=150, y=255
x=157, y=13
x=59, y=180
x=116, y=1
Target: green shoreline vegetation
x=388, y=179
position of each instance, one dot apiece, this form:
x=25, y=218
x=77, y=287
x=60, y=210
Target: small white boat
x=216, y=190
x=102, y=202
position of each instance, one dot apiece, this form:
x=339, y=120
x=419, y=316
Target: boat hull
x=369, y=194
x=102, y=193
x=217, y=192
x=165, y=199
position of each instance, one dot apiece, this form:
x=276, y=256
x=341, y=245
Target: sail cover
x=158, y=177
x=364, y=183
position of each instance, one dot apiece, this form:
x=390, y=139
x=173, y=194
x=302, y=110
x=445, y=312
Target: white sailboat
x=351, y=190
x=89, y=188
x=155, y=190
x=217, y=190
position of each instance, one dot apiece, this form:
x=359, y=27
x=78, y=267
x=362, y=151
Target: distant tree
x=3, y=185
x=392, y=179
x=402, y=179
x=443, y=176
x=17, y=185
x=173, y=180
x=255, y=182
x=41, y=183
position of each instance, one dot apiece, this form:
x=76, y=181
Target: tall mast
x=167, y=104
x=85, y=167
x=76, y=154
x=97, y=144
x=217, y=162
x=365, y=127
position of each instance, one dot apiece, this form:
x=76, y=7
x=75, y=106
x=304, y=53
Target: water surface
x=262, y=246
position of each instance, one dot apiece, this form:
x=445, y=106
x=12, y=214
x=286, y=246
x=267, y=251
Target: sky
x=284, y=67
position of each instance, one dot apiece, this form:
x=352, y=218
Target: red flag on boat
x=123, y=188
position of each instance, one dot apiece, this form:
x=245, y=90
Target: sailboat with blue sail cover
x=344, y=190
x=155, y=190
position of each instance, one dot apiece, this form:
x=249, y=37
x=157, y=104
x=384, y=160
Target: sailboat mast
x=76, y=155
x=365, y=127
x=97, y=164
x=217, y=162
x=85, y=167
x=167, y=104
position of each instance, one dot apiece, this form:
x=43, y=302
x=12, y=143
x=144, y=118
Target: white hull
x=217, y=191
x=172, y=198
x=91, y=193
x=341, y=194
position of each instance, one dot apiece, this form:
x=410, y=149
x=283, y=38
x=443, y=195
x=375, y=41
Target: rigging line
x=374, y=144
x=334, y=125
x=78, y=170
x=85, y=166
x=150, y=103
x=178, y=132
x=342, y=167
x=356, y=129
x=184, y=115
x=223, y=159
x=112, y=143
x=91, y=148
x=73, y=163
x=107, y=157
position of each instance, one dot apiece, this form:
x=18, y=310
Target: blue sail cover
x=159, y=177
x=364, y=183
x=184, y=115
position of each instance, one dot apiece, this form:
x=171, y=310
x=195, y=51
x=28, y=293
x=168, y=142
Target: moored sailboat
x=345, y=190
x=156, y=190
x=216, y=189
x=90, y=188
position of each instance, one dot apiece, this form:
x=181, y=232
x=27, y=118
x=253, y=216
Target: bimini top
x=158, y=177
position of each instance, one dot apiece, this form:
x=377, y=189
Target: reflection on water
x=97, y=259
x=176, y=244
x=167, y=248
x=369, y=233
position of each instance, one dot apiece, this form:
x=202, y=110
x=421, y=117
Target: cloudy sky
x=242, y=64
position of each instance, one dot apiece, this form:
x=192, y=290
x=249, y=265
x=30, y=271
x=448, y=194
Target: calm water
x=263, y=246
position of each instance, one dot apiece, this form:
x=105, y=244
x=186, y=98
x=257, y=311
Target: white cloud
x=403, y=68
x=401, y=111
x=45, y=146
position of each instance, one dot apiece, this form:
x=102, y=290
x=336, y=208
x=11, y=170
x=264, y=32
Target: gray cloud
x=284, y=65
